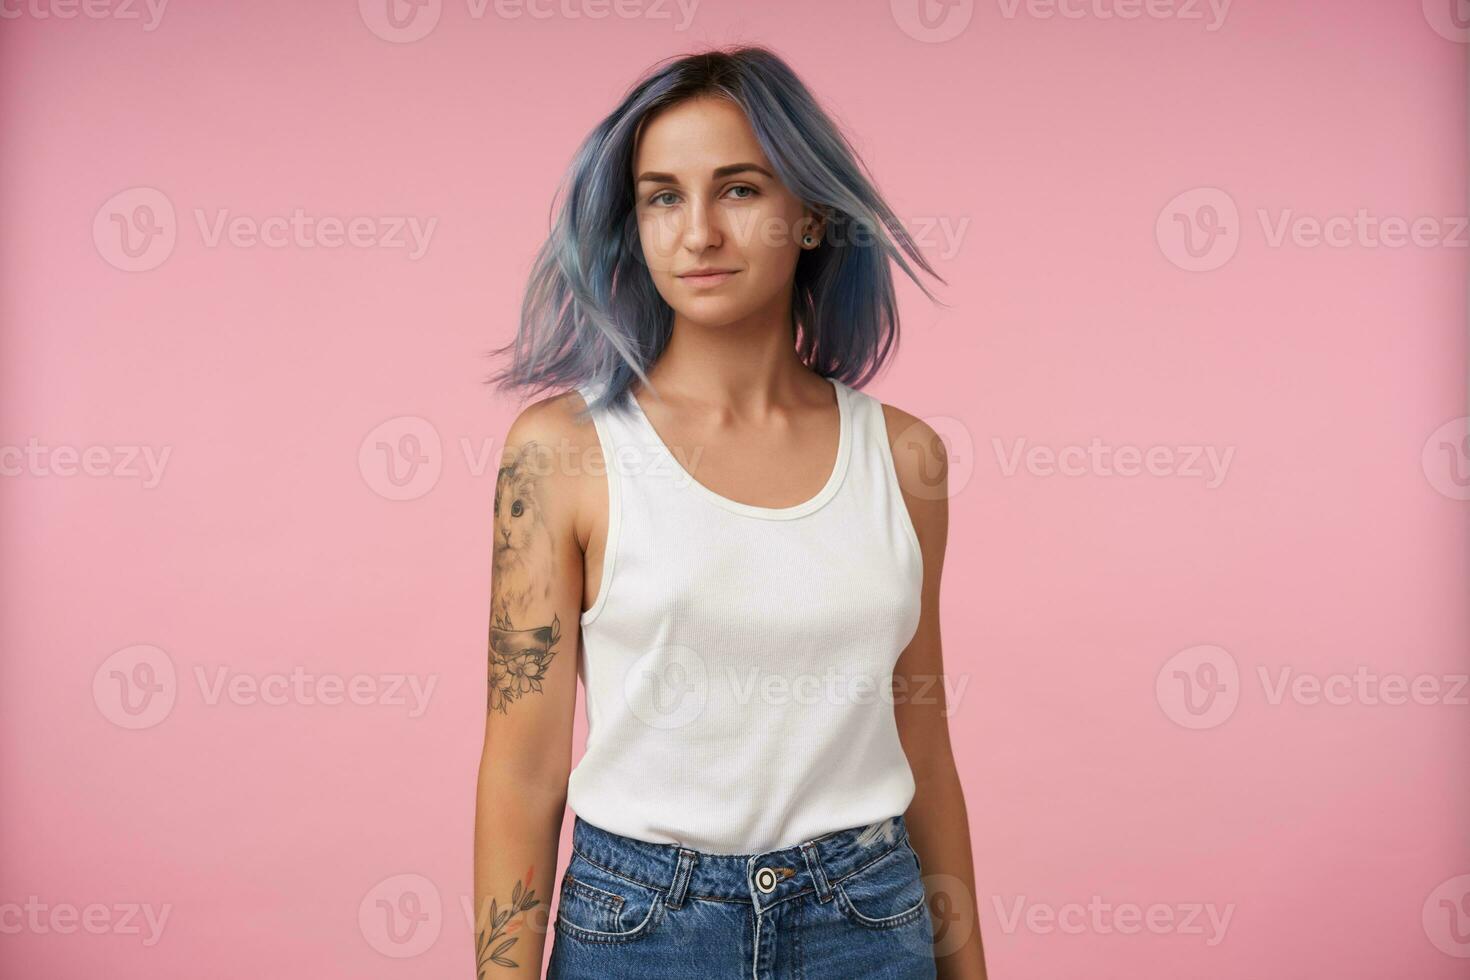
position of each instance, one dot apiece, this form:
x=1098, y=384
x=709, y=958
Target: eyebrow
x=658, y=177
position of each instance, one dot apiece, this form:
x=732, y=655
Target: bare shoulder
x=550, y=447
x=919, y=456
x=921, y=464
x=552, y=420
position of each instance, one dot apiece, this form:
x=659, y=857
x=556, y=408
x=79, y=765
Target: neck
x=746, y=365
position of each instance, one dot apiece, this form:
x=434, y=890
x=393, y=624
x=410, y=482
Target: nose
x=701, y=228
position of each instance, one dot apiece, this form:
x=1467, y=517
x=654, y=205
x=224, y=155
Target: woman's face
x=707, y=197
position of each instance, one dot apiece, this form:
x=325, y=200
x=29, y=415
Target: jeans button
x=765, y=880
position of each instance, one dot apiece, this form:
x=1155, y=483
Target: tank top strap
x=625, y=444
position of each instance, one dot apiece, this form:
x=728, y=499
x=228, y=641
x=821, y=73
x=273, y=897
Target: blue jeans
x=843, y=905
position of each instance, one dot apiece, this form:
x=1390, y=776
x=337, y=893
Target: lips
x=712, y=278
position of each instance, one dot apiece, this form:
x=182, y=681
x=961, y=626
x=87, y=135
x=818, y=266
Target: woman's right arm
x=536, y=594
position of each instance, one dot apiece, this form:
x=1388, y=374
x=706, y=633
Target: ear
x=814, y=224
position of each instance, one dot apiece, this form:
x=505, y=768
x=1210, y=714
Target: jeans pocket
x=596, y=905
x=886, y=892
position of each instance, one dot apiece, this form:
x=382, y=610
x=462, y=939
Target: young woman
x=739, y=553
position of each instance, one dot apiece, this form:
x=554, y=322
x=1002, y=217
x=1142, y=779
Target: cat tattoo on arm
x=522, y=577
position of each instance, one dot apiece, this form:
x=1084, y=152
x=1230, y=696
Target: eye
x=517, y=508
x=745, y=187
x=654, y=198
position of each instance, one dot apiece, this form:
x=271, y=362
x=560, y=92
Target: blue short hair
x=591, y=314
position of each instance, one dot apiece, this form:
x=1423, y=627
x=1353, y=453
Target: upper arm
x=920, y=706
x=535, y=599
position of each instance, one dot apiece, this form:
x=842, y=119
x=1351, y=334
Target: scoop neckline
x=829, y=489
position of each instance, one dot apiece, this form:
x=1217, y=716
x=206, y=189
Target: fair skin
x=748, y=420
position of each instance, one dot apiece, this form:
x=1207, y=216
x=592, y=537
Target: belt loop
x=819, y=876
x=683, y=871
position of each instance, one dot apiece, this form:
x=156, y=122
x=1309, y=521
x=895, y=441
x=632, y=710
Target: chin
x=712, y=314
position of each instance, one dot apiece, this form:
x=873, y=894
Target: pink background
x=307, y=840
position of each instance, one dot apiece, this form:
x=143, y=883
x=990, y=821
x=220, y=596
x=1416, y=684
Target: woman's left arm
x=937, y=820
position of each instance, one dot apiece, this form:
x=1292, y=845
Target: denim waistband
x=761, y=879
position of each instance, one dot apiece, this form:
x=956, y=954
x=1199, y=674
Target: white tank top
x=737, y=660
